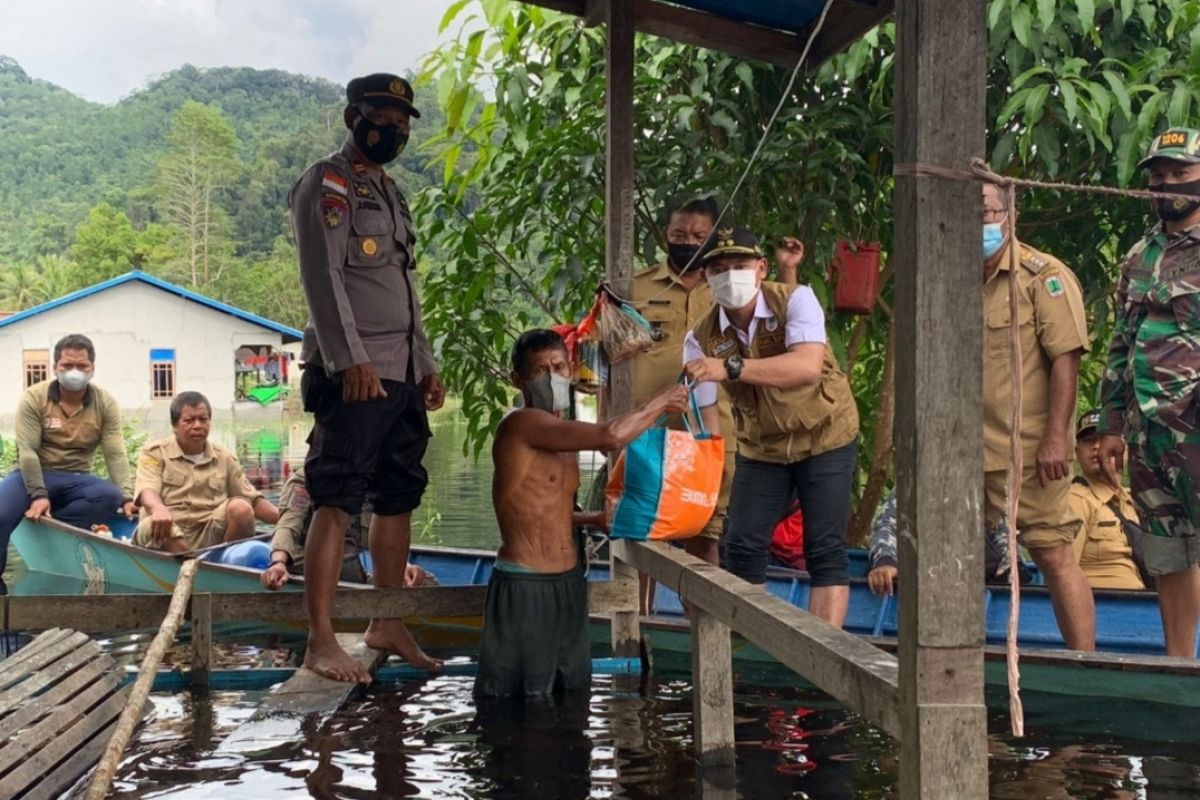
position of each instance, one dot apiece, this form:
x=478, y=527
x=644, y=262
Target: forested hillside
x=88, y=191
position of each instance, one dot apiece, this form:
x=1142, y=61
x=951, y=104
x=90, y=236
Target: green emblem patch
x=1054, y=286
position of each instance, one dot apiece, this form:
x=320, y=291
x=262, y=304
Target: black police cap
x=382, y=89
x=731, y=242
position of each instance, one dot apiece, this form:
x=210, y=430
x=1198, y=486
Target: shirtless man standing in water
x=535, y=628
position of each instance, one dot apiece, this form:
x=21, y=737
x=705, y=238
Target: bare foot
x=326, y=657
x=392, y=636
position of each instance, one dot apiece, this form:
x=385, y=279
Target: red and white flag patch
x=335, y=183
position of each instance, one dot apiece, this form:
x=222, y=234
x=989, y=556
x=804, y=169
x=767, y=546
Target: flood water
x=427, y=740
x=628, y=739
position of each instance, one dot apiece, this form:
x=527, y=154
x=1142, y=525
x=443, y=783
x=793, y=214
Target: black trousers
x=762, y=492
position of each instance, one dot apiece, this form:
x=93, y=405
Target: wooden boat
x=114, y=564
x=1128, y=627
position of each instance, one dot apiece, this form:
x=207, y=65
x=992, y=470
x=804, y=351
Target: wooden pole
x=132, y=714
x=618, y=20
x=712, y=690
x=940, y=63
x=201, y=640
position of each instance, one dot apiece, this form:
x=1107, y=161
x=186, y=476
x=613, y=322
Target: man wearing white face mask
x=535, y=625
x=60, y=424
x=797, y=423
x=1053, y=336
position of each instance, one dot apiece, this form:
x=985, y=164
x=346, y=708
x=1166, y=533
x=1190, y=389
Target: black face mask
x=1171, y=209
x=681, y=255
x=379, y=143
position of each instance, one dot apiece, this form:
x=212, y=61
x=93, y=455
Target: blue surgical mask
x=993, y=238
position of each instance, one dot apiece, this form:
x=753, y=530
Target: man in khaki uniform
x=1103, y=546
x=193, y=493
x=1053, y=337
x=673, y=296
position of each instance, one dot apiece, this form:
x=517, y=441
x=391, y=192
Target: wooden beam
x=940, y=67
x=712, y=691
x=848, y=19
x=128, y=611
x=843, y=665
x=200, y=614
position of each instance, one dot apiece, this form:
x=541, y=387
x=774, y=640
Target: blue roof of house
x=784, y=15
x=288, y=333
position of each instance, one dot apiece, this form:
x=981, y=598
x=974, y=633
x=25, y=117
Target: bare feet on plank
x=393, y=636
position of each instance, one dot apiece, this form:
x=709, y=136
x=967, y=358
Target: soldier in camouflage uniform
x=1149, y=389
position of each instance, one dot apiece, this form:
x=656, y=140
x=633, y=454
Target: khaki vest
x=782, y=425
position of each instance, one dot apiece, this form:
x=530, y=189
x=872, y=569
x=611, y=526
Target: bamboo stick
x=132, y=714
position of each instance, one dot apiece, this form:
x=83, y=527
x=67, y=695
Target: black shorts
x=369, y=450
x=535, y=635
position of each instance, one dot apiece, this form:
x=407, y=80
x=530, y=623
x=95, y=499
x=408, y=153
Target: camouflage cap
x=382, y=89
x=731, y=242
x=1176, y=144
x=1088, y=424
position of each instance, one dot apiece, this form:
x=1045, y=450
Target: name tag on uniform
x=53, y=423
x=659, y=302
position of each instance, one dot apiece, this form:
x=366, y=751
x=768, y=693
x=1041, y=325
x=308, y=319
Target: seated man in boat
x=193, y=493
x=287, y=541
x=885, y=569
x=1104, y=545
x=60, y=424
x=535, y=627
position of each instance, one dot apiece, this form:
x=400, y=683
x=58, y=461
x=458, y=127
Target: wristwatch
x=733, y=366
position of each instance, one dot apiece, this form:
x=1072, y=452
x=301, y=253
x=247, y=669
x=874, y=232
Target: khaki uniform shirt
x=50, y=438
x=295, y=513
x=673, y=311
x=1052, y=323
x=355, y=241
x=192, y=492
x=1101, y=547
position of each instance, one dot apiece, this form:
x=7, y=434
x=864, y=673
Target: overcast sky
x=105, y=49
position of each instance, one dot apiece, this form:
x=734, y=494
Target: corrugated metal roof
x=289, y=334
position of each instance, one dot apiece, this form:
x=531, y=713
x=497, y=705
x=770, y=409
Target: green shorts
x=535, y=634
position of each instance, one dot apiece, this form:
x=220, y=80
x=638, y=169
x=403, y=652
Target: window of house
x=162, y=373
x=37, y=366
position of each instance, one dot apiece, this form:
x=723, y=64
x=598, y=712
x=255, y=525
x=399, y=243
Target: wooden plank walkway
x=303, y=702
x=60, y=697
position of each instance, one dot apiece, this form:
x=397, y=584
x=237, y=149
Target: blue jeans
x=76, y=498
x=762, y=493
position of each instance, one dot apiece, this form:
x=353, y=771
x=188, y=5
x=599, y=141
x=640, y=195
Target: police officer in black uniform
x=370, y=374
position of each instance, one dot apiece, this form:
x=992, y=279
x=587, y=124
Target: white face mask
x=551, y=392
x=735, y=288
x=73, y=380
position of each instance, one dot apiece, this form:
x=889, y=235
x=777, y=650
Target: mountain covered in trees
x=186, y=178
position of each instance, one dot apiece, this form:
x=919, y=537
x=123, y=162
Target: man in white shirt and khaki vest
x=796, y=419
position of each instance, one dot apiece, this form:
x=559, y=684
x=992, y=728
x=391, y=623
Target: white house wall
x=125, y=322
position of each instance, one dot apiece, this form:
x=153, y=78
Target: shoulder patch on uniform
x=1054, y=286
x=334, y=182
x=1033, y=261
x=299, y=500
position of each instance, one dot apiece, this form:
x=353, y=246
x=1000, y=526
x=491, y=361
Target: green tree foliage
x=105, y=245
x=1075, y=89
x=192, y=178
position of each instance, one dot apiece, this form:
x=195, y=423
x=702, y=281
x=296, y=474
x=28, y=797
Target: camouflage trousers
x=1164, y=470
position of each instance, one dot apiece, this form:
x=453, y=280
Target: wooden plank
x=32, y=739
x=45, y=703
x=46, y=639
x=68, y=772
x=712, y=691
x=201, y=617
x=303, y=702
x=941, y=70
x=131, y=611
x=840, y=663
x=86, y=728
x=625, y=624
x=43, y=657
x=51, y=674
